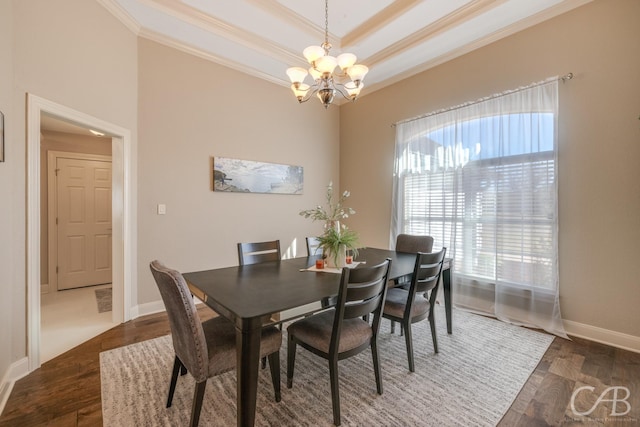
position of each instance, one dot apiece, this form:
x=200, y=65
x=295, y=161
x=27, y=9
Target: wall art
x=247, y=176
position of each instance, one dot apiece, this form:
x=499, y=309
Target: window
x=508, y=230
x=482, y=180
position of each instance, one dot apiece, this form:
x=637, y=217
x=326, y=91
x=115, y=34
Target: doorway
x=79, y=220
x=123, y=220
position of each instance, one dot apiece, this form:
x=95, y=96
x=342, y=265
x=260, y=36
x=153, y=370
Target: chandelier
x=326, y=79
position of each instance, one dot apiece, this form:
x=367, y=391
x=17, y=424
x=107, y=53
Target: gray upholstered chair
x=412, y=244
x=416, y=303
x=340, y=332
x=204, y=349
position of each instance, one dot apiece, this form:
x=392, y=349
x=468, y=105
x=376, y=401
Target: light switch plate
x=162, y=209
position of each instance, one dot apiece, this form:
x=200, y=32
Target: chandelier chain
x=326, y=44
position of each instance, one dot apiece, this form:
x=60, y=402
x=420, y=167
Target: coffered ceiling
x=395, y=39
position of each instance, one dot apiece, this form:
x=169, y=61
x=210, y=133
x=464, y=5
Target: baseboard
x=147, y=308
x=603, y=336
x=16, y=371
x=44, y=289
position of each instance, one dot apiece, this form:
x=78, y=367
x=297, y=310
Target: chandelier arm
x=313, y=89
x=337, y=87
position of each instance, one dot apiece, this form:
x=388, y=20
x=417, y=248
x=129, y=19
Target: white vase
x=338, y=260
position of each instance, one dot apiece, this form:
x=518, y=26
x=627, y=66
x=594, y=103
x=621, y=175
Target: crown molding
x=290, y=17
x=378, y=21
x=447, y=22
x=121, y=14
x=221, y=28
x=192, y=50
x=470, y=47
x=192, y=16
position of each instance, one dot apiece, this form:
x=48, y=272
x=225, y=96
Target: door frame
x=123, y=214
x=52, y=197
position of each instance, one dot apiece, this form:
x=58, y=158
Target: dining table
x=247, y=294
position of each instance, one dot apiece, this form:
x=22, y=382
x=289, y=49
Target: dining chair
x=340, y=332
x=410, y=243
x=205, y=349
x=257, y=252
x=417, y=303
x=313, y=246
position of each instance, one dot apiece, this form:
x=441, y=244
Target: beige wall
x=85, y=60
x=191, y=110
x=7, y=178
x=68, y=143
x=599, y=176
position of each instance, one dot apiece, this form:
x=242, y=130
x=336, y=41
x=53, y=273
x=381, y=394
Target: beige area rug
x=103, y=298
x=472, y=381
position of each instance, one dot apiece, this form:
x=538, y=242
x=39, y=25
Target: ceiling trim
x=192, y=50
x=469, y=47
x=453, y=19
x=379, y=20
x=217, y=26
x=311, y=28
x=121, y=14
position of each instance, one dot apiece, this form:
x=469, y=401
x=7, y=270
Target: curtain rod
x=564, y=78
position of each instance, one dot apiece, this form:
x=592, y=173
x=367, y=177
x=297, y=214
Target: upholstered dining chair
x=205, y=349
x=417, y=303
x=413, y=243
x=410, y=243
x=257, y=252
x=340, y=332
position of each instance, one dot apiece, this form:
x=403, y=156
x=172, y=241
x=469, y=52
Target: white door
x=84, y=222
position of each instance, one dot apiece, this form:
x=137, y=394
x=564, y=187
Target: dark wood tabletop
x=246, y=294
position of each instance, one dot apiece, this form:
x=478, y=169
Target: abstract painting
x=246, y=176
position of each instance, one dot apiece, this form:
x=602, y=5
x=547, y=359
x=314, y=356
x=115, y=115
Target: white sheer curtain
x=482, y=180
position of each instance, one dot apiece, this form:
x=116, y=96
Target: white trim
x=123, y=215
x=603, y=336
x=147, y=308
x=17, y=370
x=121, y=14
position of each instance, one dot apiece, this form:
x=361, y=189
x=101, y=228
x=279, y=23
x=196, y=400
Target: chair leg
x=264, y=362
x=198, y=396
x=291, y=360
x=401, y=330
x=376, y=365
x=274, y=366
x=177, y=367
x=432, y=323
x=393, y=327
x=408, y=339
x=335, y=390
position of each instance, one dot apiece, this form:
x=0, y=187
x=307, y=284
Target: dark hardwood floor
x=66, y=390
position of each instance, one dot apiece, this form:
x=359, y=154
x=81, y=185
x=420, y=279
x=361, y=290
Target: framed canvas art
x=247, y=176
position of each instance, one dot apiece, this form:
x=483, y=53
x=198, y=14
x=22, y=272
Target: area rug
x=472, y=381
x=103, y=298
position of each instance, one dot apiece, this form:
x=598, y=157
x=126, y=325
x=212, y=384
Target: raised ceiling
x=395, y=39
